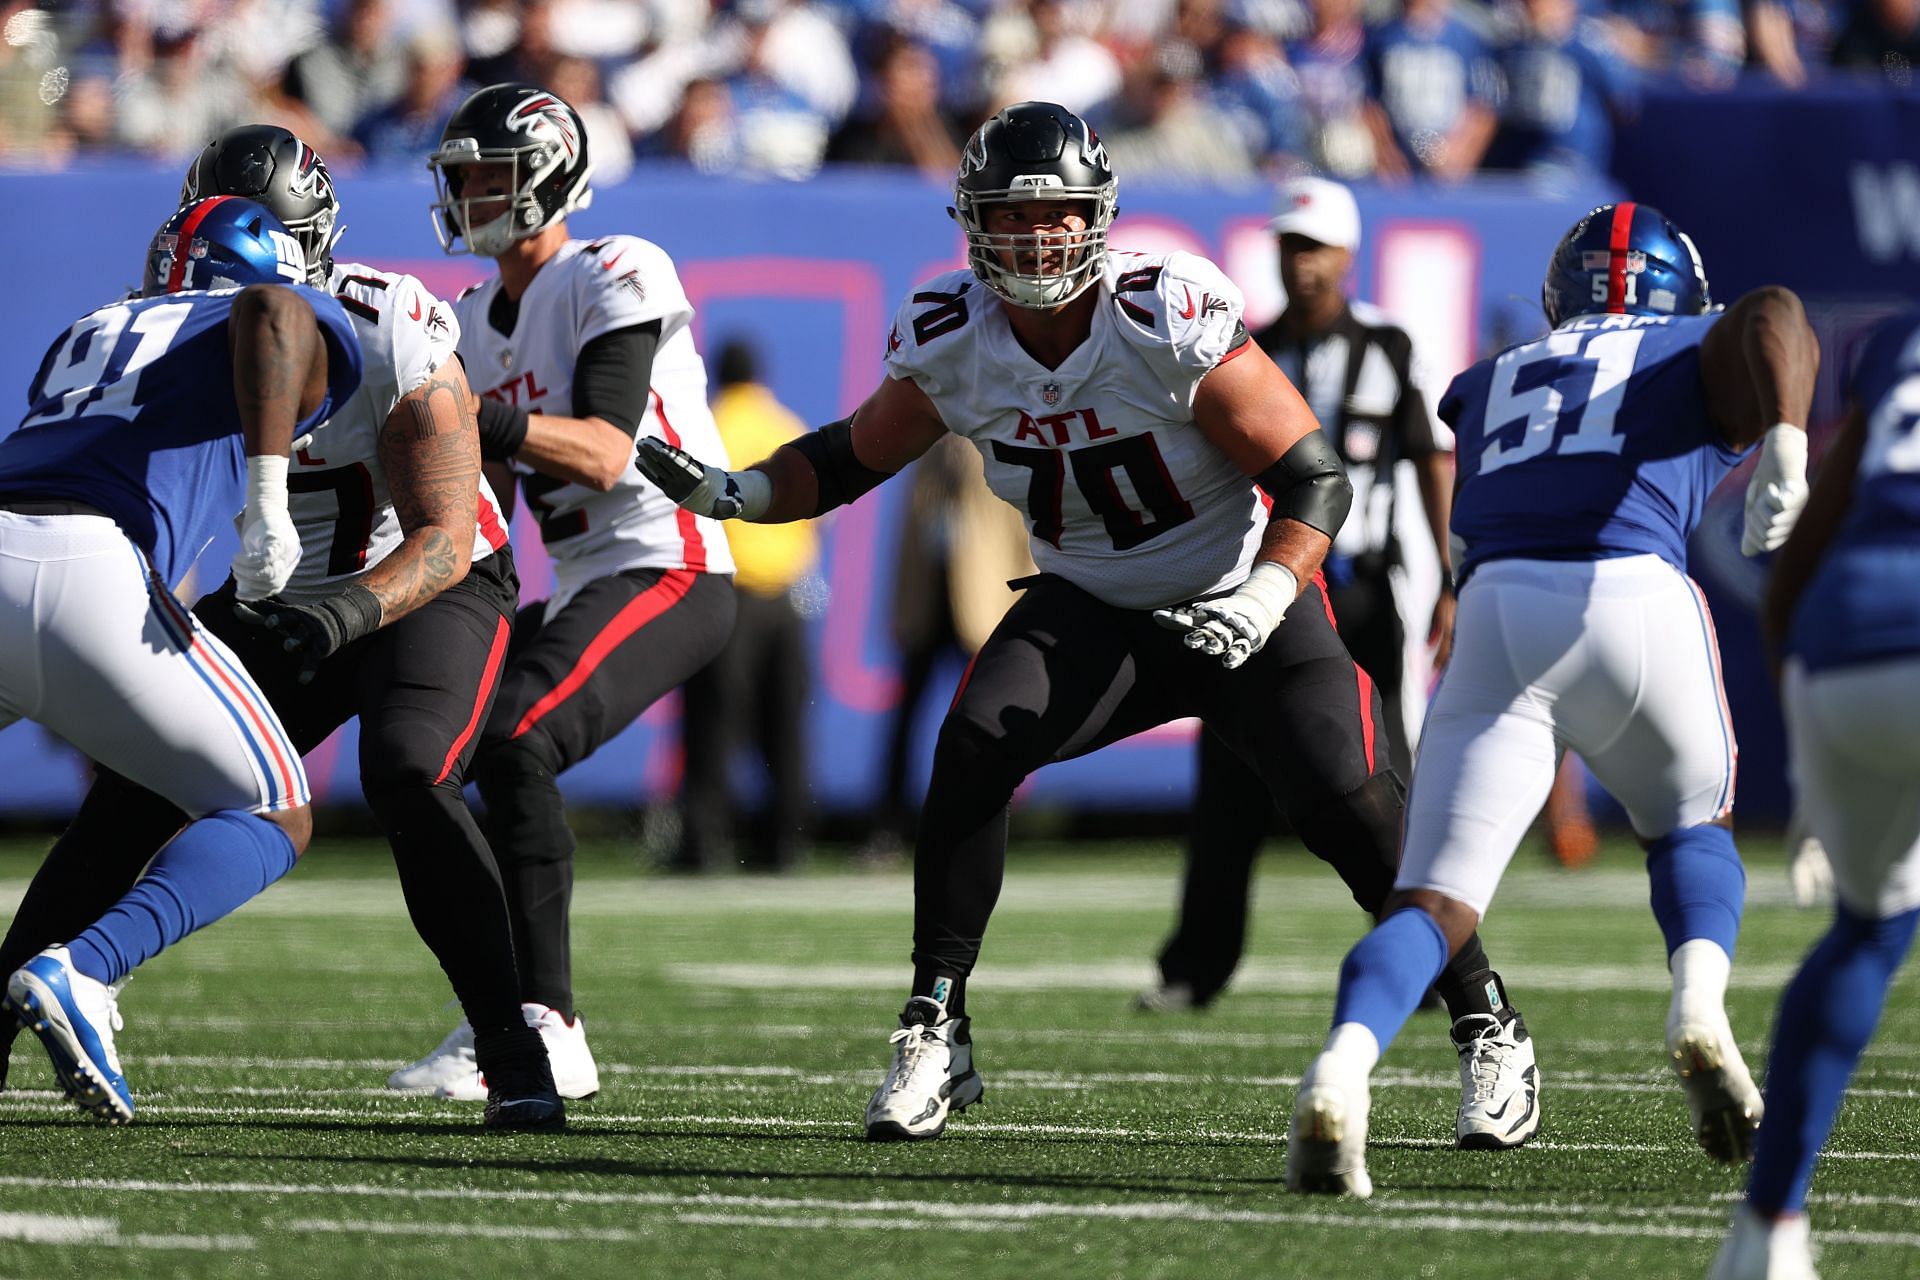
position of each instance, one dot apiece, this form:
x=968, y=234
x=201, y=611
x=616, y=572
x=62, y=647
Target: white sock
x=1700, y=970
x=1352, y=1047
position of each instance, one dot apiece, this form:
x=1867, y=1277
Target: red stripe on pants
x=639, y=611
x=495, y=657
x=1365, y=680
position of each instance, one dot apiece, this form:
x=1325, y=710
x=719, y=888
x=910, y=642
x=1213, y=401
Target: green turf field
x=741, y=1022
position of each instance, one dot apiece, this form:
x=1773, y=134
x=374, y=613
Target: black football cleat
x=523, y=1100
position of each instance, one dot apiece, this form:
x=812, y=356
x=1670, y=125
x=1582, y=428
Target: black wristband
x=503, y=429
x=351, y=612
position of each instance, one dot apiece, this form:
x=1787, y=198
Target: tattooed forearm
x=430, y=451
x=416, y=578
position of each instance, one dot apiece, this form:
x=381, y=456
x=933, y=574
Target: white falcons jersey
x=587, y=289
x=1123, y=496
x=336, y=487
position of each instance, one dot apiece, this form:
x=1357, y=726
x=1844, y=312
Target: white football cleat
x=1721, y=1096
x=1756, y=1249
x=450, y=1061
x=1327, y=1141
x=1499, y=1083
x=575, y=1074
x=1168, y=997
x=75, y=1017
x=932, y=1075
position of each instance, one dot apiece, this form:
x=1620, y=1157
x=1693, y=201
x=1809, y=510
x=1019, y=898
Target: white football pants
x=1855, y=737
x=1615, y=659
x=96, y=649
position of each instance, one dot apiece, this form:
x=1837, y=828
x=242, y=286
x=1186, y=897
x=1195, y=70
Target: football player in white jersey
x=398, y=612
x=1180, y=497
x=576, y=347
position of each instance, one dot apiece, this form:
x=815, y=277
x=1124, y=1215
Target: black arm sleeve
x=841, y=476
x=611, y=377
x=1309, y=484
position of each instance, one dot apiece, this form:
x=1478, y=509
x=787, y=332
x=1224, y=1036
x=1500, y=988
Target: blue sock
x=1699, y=886
x=1826, y=1018
x=208, y=871
x=1387, y=972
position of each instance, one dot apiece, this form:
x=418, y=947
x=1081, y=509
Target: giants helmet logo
x=546, y=119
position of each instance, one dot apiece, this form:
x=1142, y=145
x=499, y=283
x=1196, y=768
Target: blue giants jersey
x=1864, y=601
x=132, y=413
x=1589, y=443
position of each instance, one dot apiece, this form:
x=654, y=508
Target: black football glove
x=316, y=630
x=699, y=488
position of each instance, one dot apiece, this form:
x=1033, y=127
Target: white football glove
x=1777, y=491
x=1808, y=869
x=1234, y=627
x=269, y=540
x=701, y=489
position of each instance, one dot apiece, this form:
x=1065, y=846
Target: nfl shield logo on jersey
x=1050, y=392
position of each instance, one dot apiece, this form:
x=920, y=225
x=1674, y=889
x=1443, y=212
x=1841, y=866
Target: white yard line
x=104, y=1233
x=1255, y=976
x=1144, y=1209
x=42, y=1100
x=773, y=1210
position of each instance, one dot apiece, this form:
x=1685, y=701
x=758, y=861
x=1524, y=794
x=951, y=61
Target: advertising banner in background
x=811, y=274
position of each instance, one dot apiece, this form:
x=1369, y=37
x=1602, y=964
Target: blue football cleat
x=75, y=1017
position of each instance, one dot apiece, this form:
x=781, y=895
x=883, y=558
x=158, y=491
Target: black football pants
x=573, y=681
x=1233, y=811
x=422, y=688
x=1064, y=674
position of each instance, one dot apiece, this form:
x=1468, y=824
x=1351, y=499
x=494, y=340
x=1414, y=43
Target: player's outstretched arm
x=1758, y=365
x=1249, y=411
x=279, y=378
x=811, y=476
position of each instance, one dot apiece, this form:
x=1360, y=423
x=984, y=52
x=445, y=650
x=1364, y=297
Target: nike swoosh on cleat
x=1495, y=1115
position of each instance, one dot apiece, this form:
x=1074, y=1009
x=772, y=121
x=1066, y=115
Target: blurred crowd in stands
x=1210, y=90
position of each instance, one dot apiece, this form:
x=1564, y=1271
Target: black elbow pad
x=1309, y=484
x=840, y=476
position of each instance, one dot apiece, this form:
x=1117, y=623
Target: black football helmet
x=270, y=166
x=1035, y=151
x=545, y=142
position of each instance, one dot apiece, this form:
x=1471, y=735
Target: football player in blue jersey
x=127, y=461
x=1843, y=607
x=1584, y=460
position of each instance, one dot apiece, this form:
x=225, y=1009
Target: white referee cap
x=1320, y=210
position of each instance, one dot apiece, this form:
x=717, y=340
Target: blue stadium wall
x=812, y=272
